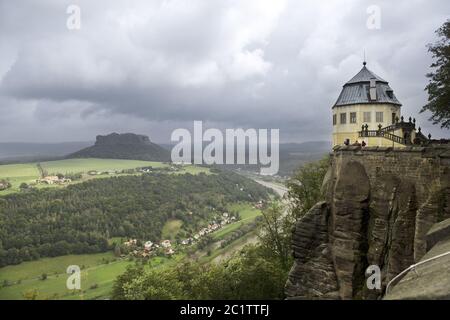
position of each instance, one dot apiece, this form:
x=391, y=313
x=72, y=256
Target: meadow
x=28, y=173
x=171, y=229
x=248, y=215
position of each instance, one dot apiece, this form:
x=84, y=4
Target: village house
x=48, y=180
x=148, y=245
x=4, y=185
x=131, y=242
x=166, y=244
x=259, y=205
x=53, y=180
x=213, y=226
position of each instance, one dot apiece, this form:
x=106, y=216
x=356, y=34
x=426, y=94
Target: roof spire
x=364, y=62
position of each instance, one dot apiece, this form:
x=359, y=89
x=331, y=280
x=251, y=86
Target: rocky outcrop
x=379, y=205
x=125, y=138
x=312, y=252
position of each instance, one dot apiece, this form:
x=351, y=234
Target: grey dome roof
x=356, y=91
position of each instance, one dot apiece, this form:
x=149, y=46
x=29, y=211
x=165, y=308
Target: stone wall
x=379, y=205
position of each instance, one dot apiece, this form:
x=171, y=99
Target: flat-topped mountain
x=124, y=146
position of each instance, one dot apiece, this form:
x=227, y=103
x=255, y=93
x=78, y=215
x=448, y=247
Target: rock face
x=379, y=205
x=125, y=138
x=430, y=278
x=124, y=146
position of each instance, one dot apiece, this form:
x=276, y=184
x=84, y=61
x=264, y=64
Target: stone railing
x=383, y=134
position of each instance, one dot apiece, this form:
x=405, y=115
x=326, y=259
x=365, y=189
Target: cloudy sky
x=150, y=66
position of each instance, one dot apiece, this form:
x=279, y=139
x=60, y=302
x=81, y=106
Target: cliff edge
x=379, y=205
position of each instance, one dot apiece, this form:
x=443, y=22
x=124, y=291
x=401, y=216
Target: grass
x=221, y=254
x=96, y=273
x=95, y=270
x=248, y=215
x=54, y=287
x=171, y=229
x=29, y=173
x=17, y=174
x=34, y=269
x=85, y=165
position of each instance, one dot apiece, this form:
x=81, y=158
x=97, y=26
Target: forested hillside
x=82, y=217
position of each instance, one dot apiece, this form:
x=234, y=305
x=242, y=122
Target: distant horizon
x=157, y=142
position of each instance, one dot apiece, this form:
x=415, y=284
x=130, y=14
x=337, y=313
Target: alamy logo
x=374, y=20
x=249, y=144
x=374, y=279
x=74, y=20
x=74, y=280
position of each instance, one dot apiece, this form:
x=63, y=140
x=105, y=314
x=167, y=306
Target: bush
x=93, y=286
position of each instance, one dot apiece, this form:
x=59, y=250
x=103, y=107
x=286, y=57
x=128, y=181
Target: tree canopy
x=438, y=87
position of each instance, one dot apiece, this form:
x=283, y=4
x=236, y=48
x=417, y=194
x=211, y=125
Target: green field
x=34, y=269
x=248, y=215
x=29, y=173
x=171, y=229
x=85, y=165
x=97, y=276
x=221, y=254
x=95, y=270
x=17, y=174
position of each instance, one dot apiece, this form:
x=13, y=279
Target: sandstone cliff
x=430, y=278
x=379, y=205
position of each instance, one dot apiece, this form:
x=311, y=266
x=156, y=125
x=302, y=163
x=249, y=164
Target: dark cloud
x=152, y=66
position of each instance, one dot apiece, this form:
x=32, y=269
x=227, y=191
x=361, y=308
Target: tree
x=117, y=250
x=439, y=86
x=132, y=272
x=275, y=233
x=304, y=187
x=248, y=275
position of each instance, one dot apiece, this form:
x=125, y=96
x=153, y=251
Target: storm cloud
x=152, y=66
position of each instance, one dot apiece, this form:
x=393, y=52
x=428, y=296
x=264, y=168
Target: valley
x=41, y=275
x=99, y=271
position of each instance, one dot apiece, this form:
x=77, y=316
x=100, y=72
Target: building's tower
x=365, y=111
